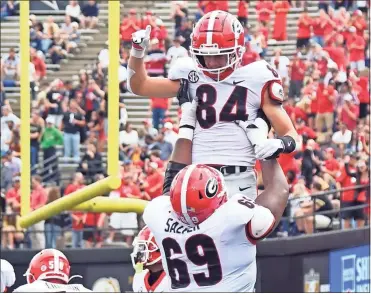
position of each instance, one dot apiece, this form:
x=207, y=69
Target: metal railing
x=47, y=169
x=59, y=233
x=336, y=213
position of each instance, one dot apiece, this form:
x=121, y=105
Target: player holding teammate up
x=207, y=241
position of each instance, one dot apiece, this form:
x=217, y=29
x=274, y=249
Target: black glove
x=183, y=95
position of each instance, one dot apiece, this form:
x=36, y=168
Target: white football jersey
x=217, y=139
x=40, y=286
x=216, y=256
x=141, y=284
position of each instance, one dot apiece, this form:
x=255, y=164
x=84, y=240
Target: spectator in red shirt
x=93, y=223
x=363, y=178
x=155, y=180
x=346, y=180
x=359, y=22
x=297, y=72
x=249, y=56
x=209, y=6
x=159, y=108
x=129, y=25
x=311, y=91
x=325, y=115
x=242, y=13
x=222, y=5
x=303, y=129
x=364, y=95
x=39, y=63
x=200, y=11
x=148, y=19
x=331, y=165
x=288, y=163
x=39, y=198
x=356, y=47
x=281, y=8
x=128, y=188
x=319, y=24
x=337, y=53
x=264, y=9
x=13, y=195
x=304, y=29
x=155, y=60
x=77, y=217
x=161, y=33
x=349, y=113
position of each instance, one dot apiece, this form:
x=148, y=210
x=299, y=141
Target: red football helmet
x=48, y=264
x=145, y=250
x=218, y=33
x=196, y=192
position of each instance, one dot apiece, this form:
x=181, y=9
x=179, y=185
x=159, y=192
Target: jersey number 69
x=200, y=250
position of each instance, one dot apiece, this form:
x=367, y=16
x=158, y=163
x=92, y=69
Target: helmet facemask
x=141, y=253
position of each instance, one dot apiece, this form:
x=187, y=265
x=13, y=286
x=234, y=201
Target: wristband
x=186, y=132
x=289, y=144
x=137, y=53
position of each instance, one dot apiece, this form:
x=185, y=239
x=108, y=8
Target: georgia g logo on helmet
x=211, y=188
x=237, y=28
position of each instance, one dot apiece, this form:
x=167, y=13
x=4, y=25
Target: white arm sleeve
x=130, y=74
x=261, y=224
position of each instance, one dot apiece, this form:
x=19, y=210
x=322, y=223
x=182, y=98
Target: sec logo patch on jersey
x=193, y=76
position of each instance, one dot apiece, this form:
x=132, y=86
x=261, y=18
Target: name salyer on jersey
x=173, y=226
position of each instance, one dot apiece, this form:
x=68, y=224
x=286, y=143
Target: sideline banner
x=350, y=270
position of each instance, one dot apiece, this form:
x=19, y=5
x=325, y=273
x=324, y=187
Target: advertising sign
x=350, y=270
x=315, y=273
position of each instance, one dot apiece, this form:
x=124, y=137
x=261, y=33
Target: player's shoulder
x=258, y=70
x=38, y=286
x=154, y=208
x=239, y=209
x=258, y=219
x=182, y=68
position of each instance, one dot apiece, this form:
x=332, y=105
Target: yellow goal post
x=84, y=199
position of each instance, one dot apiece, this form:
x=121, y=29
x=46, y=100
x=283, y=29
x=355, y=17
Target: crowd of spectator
x=326, y=82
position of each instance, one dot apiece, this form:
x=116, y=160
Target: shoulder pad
x=182, y=69
x=260, y=225
x=276, y=92
x=150, y=214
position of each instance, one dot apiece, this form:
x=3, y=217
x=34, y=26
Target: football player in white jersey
x=226, y=92
x=7, y=275
x=208, y=242
x=49, y=272
x=146, y=258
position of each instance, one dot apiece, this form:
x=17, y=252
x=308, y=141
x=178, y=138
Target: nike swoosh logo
x=243, y=189
x=237, y=82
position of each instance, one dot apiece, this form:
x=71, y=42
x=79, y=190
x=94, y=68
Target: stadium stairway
x=92, y=41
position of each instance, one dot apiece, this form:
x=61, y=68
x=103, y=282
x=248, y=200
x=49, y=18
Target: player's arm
x=271, y=202
x=278, y=117
x=139, y=82
x=276, y=189
x=182, y=154
x=272, y=114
